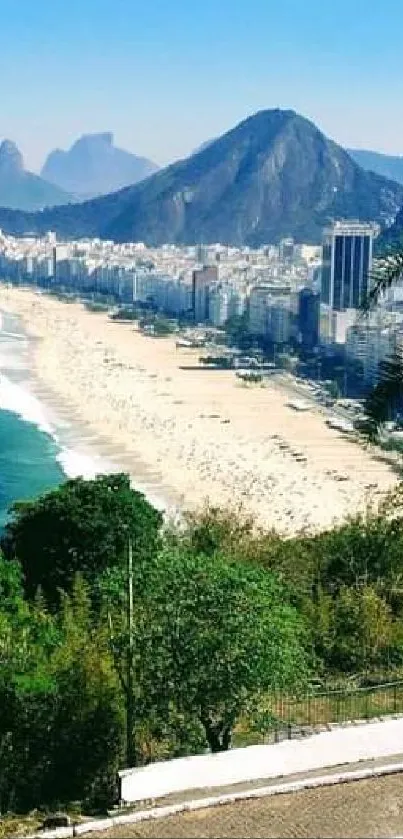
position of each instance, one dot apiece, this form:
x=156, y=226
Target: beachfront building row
x=169, y=278
x=287, y=293
x=244, y=264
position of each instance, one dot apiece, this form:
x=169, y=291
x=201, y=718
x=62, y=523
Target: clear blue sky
x=164, y=75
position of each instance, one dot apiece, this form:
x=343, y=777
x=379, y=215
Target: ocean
x=37, y=452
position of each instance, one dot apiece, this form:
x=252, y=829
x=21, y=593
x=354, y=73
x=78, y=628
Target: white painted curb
x=218, y=800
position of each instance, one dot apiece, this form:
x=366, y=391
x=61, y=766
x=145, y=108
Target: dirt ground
x=371, y=808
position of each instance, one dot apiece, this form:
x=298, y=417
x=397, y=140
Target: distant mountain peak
x=11, y=159
x=95, y=166
x=104, y=138
x=273, y=175
x=22, y=190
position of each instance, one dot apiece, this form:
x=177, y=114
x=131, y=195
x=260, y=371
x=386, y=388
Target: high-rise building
x=346, y=264
x=279, y=320
x=203, y=280
x=258, y=303
x=372, y=341
x=308, y=317
x=270, y=312
x=218, y=305
x=286, y=249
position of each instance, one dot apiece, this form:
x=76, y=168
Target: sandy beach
x=192, y=435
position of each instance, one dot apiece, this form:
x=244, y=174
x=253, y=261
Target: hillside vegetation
x=124, y=640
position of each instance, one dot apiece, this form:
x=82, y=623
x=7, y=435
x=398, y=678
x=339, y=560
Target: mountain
x=390, y=166
x=94, y=166
x=204, y=145
x=20, y=189
x=273, y=175
x=392, y=237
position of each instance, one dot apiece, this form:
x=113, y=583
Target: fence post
x=395, y=697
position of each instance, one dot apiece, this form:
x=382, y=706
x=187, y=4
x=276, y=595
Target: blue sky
x=164, y=76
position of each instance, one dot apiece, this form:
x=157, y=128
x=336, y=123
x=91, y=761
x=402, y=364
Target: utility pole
x=130, y=751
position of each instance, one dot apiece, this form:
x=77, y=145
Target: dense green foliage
x=346, y=583
x=224, y=616
x=126, y=313
x=81, y=527
x=209, y=636
x=60, y=717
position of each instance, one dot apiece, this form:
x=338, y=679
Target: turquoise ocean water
x=38, y=451
x=28, y=464
x=28, y=452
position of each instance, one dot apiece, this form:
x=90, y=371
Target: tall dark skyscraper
x=308, y=317
x=346, y=264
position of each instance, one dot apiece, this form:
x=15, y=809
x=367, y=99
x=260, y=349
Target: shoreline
x=185, y=437
x=80, y=451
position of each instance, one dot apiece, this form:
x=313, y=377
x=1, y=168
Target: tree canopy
x=214, y=635
x=83, y=526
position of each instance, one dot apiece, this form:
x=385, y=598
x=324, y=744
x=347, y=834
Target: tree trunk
x=218, y=734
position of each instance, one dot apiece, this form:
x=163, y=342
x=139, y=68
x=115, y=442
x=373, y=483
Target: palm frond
x=387, y=272
x=386, y=398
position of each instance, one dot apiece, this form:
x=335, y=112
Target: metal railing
x=288, y=717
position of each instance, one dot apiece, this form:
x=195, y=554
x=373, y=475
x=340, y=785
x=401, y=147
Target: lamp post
x=130, y=750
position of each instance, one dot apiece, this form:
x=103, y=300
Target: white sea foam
x=16, y=336
x=76, y=464
x=18, y=400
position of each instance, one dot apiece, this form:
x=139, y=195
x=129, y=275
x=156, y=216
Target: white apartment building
x=372, y=341
x=270, y=312
x=334, y=325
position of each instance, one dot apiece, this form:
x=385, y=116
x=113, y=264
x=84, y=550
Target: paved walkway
x=349, y=745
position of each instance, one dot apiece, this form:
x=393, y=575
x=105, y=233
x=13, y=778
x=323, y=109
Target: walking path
x=354, y=743
x=357, y=752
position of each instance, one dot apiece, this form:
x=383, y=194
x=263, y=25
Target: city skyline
x=166, y=78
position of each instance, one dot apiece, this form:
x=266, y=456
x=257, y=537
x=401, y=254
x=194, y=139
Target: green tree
x=386, y=398
x=87, y=743
x=363, y=630
x=60, y=708
x=28, y=635
x=333, y=389
x=163, y=327
x=219, y=634
x=287, y=362
x=237, y=330
x=82, y=526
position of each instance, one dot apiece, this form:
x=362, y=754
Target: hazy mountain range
x=95, y=166
x=273, y=175
x=390, y=166
x=22, y=189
